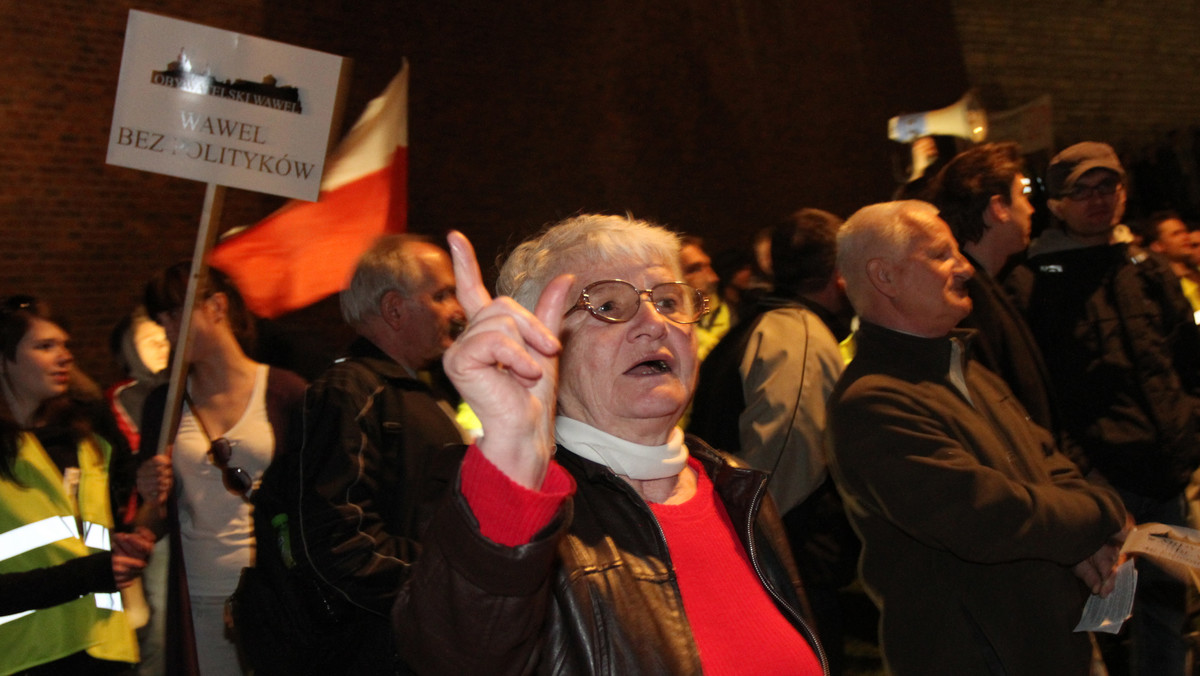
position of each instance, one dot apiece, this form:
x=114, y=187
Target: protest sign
x=221, y=107
x=228, y=109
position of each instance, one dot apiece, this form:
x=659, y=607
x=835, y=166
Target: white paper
x=1173, y=548
x=1108, y=614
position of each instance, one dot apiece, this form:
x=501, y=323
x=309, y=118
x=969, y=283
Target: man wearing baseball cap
x=1123, y=353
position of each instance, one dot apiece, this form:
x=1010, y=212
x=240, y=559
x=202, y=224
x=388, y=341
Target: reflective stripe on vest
x=37, y=534
x=109, y=601
x=48, y=531
x=96, y=536
x=103, y=601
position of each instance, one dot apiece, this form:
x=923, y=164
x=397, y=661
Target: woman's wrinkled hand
x=505, y=365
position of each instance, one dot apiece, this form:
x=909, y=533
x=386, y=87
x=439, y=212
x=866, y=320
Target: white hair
x=884, y=230
x=580, y=242
x=387, y=266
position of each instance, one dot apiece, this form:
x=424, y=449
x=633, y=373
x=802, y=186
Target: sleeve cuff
x=508, y=513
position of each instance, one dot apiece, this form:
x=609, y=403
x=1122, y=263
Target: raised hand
x=505, y=365
x=137, y=544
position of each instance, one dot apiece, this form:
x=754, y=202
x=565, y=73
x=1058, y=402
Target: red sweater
x=705, y=553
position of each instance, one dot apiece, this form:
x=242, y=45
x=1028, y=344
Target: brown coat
x=970, y=518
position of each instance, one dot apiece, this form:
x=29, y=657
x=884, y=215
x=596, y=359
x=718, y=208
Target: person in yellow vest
x=1165, y=233
x=698, y=271
x=61, y=563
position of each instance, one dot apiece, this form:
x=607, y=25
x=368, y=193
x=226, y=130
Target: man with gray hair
x=974, y=527
x=372, y=430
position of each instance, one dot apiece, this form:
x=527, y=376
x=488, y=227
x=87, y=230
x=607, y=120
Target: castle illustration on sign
x=179, y=75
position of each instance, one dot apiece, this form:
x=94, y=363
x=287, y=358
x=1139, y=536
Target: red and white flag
x=306, y=251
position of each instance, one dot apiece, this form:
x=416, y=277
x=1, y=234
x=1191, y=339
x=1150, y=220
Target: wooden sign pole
x=214, y=202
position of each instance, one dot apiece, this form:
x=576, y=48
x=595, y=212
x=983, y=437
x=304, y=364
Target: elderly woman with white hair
x=583, y=533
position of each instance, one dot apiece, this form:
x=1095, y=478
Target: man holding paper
x=976, y=531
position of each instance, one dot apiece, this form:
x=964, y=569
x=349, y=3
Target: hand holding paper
x=1174, y=548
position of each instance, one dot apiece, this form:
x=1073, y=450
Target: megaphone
x=965, y=118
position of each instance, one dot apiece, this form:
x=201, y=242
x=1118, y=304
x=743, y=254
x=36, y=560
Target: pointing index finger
x=472, y=294
x=550, y=305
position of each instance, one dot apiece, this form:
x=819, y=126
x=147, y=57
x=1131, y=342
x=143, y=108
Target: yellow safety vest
x=710, y=332
x=40, y=528
x=1191, y=291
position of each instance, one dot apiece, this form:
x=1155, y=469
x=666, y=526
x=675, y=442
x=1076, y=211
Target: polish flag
x=306, y=251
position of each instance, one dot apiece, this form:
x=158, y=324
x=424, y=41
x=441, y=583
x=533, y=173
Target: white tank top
x=216, y=526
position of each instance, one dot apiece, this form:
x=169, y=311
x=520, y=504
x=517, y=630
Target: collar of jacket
x=1056, y=240
x=907, y=353
x=377, y=360
x=1094, y=258
x=839, y=328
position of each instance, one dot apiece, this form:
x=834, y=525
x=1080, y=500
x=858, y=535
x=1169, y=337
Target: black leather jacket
x=593, y=593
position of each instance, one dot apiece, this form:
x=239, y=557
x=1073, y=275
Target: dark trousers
x=1157, y=646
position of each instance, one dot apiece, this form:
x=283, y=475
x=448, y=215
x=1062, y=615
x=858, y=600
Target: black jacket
x=338, y=520
x=593, y=593
x=1006, y=346
x=1123, y=352
x=370, y=432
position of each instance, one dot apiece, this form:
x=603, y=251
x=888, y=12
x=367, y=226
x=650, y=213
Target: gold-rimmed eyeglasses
x=616, y=301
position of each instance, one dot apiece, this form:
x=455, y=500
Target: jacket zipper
x=751, y=550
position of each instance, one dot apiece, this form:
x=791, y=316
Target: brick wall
x=85, y=235
x=1121, y=72
x=1118, y=71
x=713, y=116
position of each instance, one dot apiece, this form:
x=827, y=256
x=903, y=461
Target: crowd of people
x=921, y=399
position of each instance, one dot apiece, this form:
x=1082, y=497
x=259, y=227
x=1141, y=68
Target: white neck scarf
x=623, y=457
